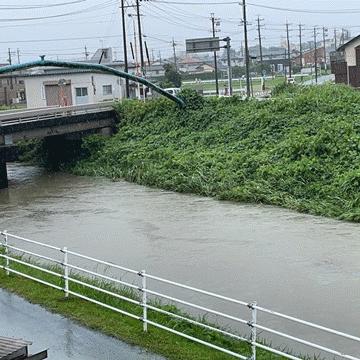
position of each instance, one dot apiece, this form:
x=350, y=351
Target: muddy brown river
x=301, y=265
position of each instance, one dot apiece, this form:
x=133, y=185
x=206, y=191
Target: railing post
x=66, y=271
x=7, y=262
x=252, y=324
x=144, y=300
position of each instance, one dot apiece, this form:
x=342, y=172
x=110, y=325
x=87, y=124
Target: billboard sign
x=202, y=45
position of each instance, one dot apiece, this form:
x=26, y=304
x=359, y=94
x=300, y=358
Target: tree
x=172, y=77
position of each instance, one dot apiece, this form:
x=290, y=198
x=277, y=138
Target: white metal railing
x=10, y=255
x=31, y=115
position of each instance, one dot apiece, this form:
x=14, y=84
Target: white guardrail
x=11, y=255
x=11, y=117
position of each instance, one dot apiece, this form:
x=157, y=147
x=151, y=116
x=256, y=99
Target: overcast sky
x=74, y=24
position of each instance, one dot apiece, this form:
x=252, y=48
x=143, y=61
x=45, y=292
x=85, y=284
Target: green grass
x=118, y=326
x=300, y=150
x=12, y=107
x=269, y=84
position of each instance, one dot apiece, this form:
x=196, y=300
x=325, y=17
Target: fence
x=10, y=255
x=12, y=117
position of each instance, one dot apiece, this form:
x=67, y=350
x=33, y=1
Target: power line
x=196, y=3
x=312, y=11
x=75, y=21
x=57, y=39
x=39, y=6
x=81, y=11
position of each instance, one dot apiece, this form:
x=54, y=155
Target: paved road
x=321, y=80
x=64, y=339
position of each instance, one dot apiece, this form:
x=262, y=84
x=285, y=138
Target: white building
x=66, y=87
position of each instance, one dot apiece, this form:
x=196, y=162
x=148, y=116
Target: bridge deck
x=11, y=117
x=16, y=349
x=40, y=123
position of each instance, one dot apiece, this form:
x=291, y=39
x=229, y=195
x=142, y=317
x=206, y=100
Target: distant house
x=308, y=57
x=155, y=70
x=195, y=66
x=204, y=69
x=12, y=89
x=66, y=87
x=345, y=63
x=277, y=61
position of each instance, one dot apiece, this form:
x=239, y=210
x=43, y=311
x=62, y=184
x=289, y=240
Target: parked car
x=173, y=91
x=291, y=80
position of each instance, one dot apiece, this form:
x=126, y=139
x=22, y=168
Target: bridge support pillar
x=107, y=131
x=3, y=175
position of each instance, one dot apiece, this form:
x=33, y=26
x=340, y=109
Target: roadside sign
x=202, y=45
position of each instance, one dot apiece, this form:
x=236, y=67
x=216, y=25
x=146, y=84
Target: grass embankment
x=300, y=150
x=240, y=85
x=122, y=327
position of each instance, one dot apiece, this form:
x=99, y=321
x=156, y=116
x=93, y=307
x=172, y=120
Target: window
x=81, y=92
x=43, y=94
x=107, y=89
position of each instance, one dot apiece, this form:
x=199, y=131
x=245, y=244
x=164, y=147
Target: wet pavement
x=63, y=338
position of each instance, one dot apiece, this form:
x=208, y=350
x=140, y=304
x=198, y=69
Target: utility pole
x=301, y=47
x=9, y=59
x=324, y=42
x=215, y=55
x=18, y=55
x=315, y=55
x=86, y=53
x=285, y=69
x=288, y=49
x=247, y=55
x=140, y=38
x=260, y=41
x=10, y=63
x=342, y=37
x=335, y=38
x=228, y=50
x=147, y=53
x=126, y=65
x=136, y=54
x=174, y=51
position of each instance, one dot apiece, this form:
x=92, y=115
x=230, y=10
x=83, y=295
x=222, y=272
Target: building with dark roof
x=345, y=63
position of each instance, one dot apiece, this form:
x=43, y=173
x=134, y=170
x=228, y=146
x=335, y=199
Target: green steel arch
x=87, y=66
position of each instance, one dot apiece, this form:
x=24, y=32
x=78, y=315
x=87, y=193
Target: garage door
x=58, y=96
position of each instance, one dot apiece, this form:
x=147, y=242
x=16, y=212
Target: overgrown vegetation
x=120, y=326
x=301, y=150
x=172, y=77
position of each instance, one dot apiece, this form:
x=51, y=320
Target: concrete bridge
x=17, y=125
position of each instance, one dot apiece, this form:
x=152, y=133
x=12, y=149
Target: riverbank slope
x=301, y=150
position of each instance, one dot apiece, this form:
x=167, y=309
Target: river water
x=297, y=264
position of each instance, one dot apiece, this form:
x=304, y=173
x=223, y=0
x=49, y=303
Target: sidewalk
x=64, y=338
